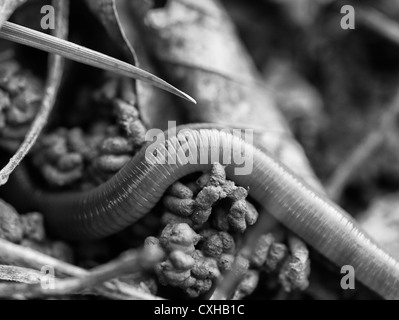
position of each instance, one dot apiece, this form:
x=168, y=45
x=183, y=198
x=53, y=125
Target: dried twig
x=15, y=254
x=56, y=66
x=26, y=257
x=18, y=274
x=129, y=263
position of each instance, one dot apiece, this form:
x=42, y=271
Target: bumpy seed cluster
x=185, y=266
x=119, y=93
x=296, y=269
x=193, y=203
x=113, y=154
x=196, y=260
x=20, y=97
x=292, y=264
x=247, y=285
x=59, y=162
x=201, y=237
x=221, y=246
x=129, y=120
x=67, y=156
x=216, y=243
x=28, y=230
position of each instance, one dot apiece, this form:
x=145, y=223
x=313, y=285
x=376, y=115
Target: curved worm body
x=136, y=189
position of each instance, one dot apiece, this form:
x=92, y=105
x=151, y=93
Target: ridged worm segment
x=136, y=189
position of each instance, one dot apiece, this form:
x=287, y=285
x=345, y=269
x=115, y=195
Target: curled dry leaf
x=200, y=51
x=105, y=11
x=156, y=107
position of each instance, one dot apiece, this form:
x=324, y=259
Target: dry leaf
x=105, y=11
x=197, y=44
x=156, y=107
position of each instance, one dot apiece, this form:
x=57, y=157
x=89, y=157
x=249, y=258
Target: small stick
x=12, y=253
x=56, y=70
x=129, y=263
x=19, y=274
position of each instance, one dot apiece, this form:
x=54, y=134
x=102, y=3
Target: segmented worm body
x=136, y=189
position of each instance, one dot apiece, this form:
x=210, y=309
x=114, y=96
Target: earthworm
x=136, y=189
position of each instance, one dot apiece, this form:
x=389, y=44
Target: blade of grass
x=72, y=51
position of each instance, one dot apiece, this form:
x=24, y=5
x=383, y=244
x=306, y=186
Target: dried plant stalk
x=56, y=66
x=26, y=257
